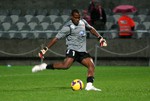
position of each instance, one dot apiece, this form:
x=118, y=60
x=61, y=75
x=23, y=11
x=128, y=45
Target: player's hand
x=42, y=52
x=102, y=42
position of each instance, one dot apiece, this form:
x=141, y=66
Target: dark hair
x=74, y=11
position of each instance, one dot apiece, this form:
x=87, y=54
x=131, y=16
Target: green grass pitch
x=118, y=83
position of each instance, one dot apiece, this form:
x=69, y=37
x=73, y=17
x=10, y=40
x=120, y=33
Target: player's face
x=75, y=18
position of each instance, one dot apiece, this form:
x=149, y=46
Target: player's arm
x=45, y=49
x=93, y=31
x=52, y=42
x=62, y=33
x=101, y=40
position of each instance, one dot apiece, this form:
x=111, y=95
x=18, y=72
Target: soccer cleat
x=89, y=87
x=40, y=67
x=92, y=88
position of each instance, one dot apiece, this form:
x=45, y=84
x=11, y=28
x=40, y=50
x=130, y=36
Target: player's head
x=75, y=16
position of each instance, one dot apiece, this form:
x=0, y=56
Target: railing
x=35, y=49
x=97, y=47
x=100, y=31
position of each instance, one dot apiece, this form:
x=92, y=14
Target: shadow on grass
x=35, y=89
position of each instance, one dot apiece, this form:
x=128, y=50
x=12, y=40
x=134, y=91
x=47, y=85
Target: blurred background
x=27, y=25
x=66, y=4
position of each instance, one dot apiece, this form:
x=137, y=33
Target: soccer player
x=75, y=34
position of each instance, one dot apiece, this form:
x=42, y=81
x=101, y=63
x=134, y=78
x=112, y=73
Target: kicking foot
x=40, y=67
x=89, y=87
x=92, y=88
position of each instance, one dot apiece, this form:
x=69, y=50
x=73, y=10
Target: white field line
x=23, y=75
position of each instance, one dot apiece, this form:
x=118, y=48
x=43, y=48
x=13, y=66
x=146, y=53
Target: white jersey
x=75, y=35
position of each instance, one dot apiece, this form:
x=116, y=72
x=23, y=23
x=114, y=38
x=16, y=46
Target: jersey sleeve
x=63, y=32
x=88, y=26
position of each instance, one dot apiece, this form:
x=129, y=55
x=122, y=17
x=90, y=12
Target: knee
x=91, y=65
x=91, y=68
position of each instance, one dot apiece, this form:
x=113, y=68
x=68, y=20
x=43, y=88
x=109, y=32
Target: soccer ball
x=77, y=84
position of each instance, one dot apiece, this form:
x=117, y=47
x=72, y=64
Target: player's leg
x=88, y=62
x=61, y=65
x=70, y=57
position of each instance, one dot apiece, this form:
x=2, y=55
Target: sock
x=50, y=66
x=90, y=79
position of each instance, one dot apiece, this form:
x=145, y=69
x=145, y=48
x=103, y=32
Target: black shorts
x=77, y=56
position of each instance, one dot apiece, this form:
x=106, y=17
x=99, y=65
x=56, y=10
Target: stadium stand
x=139, y=29
x=147, y=18
x=111, y=19
x=30, y=35
x=34, y=19
x=2, y=17
x=13, y=27
x=1, y=27
x=145, y=35
x=43, y=12
x=47, y=19
x=0, y=34
x=54, y=12
x=131, y=15
x=15, y=12
x=142, y=11
x=118, y=52
x=32, y=25
x=38, y=27
x=40, y=18
x=66, y=12
x=110, y=35
x=6, y=26
x=50, y=27
x=146, y=24
x=57, y=25
x=22, y=19
x=137, y=19
x=42, y=35
x=108, y=25
x=108, y=11
x=113, y=31
x=20, y=25
x=142, y=17
x=65, y=18
x=4, y=12
x=18, y=35
x=8, y=19
x=59, y=19
x=148, y=14
x=14, y=18
x=28, y=18
x=26, y=27
x=44, y=25
x=116, y=17
x=31, y=12
x=53, y=19
x=5, y=35
x=136, y=24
